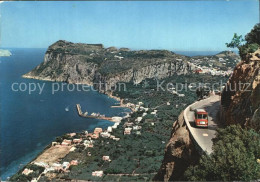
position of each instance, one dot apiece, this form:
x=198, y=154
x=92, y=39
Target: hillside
x=241, y=96
x=92, y=63
x=223, y=60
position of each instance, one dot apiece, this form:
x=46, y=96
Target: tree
x=234, y=157
x=249, y=45
x=236, y=41
x=254, y=36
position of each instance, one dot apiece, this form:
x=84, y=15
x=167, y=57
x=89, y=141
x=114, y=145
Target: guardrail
x=198, y=146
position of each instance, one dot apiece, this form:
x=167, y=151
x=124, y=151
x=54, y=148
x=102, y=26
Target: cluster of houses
x=88, y=143
x=130, y=127
x=98, y=132
x=87, y=140
x=51, y=167
x=214, y=71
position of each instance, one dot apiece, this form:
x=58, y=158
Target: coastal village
x=50, y=161
x=214, y=71
x=221, y=64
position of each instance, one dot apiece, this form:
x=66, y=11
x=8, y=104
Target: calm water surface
x=29, y=122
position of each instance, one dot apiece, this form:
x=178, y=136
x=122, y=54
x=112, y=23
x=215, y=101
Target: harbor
x=96, y=115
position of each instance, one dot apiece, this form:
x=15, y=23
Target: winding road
x=203, y=136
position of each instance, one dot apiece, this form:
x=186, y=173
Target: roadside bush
x=234, y=157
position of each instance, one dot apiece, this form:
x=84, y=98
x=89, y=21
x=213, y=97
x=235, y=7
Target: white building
x=98, y=173
x=109, y=129
x=105, y=134
x=139, y=119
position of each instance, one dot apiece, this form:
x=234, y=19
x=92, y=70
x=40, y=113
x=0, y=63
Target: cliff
x=92, y=63
x=179, y=154
x=5, y=53
x=241, y=96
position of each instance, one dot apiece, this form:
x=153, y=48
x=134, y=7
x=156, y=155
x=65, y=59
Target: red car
x=201, y=118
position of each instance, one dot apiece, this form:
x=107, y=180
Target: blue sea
x=200, y=53
x=29, y=122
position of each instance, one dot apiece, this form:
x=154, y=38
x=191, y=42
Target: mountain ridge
x=92, y=63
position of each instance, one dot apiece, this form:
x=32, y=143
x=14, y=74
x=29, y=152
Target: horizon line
x=131, y=49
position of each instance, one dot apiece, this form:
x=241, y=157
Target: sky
x=171, y=25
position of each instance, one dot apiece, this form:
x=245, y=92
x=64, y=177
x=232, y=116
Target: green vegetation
x=248, y=48
x=110, y=60
x=249, y=45
x=37, y=170
x=147, y=92
x=236, y=41
x=141, y=153
x=236, y=151
x=136, y=153
x=234, y=157
x=254, y=36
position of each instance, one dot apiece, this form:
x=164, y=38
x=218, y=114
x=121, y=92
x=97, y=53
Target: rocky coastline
x=89, y=64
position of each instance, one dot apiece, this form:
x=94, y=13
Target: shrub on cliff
x=234, y=157
x=248, y=45
x=254, y=36
x=248, y=48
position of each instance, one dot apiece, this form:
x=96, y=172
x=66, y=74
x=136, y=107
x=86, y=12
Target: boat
x=67, y=109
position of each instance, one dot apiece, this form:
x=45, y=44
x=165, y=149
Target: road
x=203, y=136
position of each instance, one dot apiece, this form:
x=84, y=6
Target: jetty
x=117, y=106
x=85, y=115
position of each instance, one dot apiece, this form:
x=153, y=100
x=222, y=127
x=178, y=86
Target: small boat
x=67, y=109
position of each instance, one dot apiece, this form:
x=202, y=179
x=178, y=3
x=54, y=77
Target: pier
x=81, y=114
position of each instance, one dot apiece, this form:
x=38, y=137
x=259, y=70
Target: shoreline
x=37, y=78
x=109, y=94
x=50, y=145
x=53, y=80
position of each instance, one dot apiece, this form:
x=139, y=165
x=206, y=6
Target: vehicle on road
x=201, y=118
x=217, y=92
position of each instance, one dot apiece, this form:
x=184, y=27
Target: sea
x=29, y=121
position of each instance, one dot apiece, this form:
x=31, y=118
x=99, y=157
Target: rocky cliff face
x=241, y=96
x=179, y=154
x=92, y=64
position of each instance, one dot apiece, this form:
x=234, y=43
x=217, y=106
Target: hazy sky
x=173, y=25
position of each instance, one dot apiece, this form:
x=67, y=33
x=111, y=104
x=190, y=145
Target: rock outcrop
x=94, y=65
x=179, y=154
x=5, y=53
x=241, y=96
